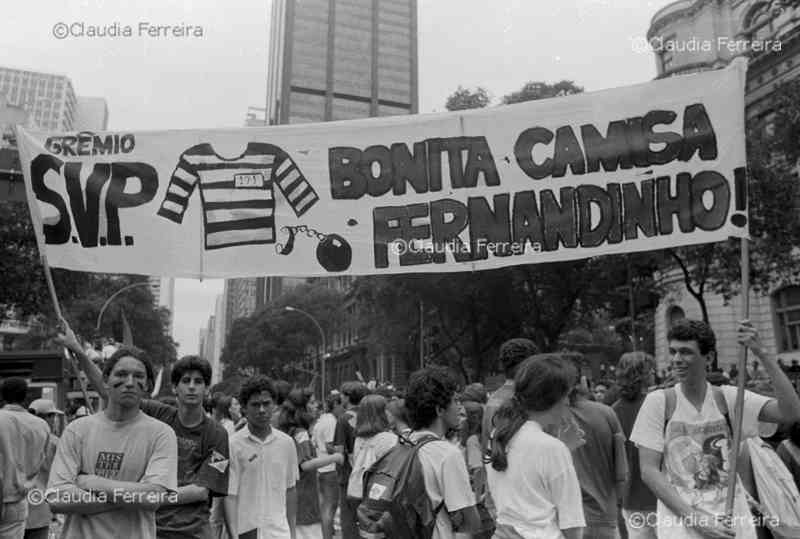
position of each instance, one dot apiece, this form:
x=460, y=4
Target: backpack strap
x=670, y=402
x=722, y=406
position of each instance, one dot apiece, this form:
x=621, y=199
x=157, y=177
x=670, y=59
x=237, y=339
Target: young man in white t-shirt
x=694, y=444
x=433, y=409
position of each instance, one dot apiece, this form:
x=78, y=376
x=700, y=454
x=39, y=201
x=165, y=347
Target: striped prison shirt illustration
x=237, y=195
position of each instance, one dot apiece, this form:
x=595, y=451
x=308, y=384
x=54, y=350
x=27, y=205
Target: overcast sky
x=209, y=81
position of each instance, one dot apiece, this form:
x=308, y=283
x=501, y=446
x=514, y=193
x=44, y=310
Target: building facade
x=696, y=35
x=49, y=99
x=335, y=60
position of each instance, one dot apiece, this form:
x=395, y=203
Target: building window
x=674, y=315
x=786, y=304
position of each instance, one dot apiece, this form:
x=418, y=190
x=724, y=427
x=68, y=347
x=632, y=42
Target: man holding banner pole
x=684, y=435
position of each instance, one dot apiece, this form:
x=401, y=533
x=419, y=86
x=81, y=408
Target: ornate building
x=695, y=35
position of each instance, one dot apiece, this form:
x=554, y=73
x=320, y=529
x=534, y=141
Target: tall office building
x=163, y=290
x=49, y=99
x=341, y=59
x=698, y=35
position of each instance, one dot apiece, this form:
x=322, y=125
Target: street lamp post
x=320, y=357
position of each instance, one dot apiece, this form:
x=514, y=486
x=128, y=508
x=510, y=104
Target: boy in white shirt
x=694, y=443
x=433, y=409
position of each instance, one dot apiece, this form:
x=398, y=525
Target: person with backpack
x=373, y=441
x=531, y=475
x=433, y=409
x=684, y=434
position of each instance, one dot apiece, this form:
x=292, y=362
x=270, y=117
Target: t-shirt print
x=108, y=464
x=696, y=461
x=237, y=195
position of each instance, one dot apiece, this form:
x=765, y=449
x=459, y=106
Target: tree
x=773, y=215
x=532, y=91
x=273, y=339
x=463, y=99
x=80, y=294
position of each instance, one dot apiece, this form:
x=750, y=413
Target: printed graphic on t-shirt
x=218, y=461
x=696, y=459
x=237, y=195
x=108, y=464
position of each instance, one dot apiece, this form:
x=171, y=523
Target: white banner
x=656, y=165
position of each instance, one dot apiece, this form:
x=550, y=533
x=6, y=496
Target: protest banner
x=656, y=165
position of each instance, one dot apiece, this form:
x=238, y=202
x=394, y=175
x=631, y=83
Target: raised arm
x=92, y=371
x=785, y=408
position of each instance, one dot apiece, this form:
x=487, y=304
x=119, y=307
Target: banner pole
x=57, y=307
x=739, y=407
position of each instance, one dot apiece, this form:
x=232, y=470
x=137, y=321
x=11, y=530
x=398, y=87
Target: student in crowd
x=512, y=353
x=202, y=445
x=373, y=440
x=262, y=497
x=599, y=461
x=535, y=497
x=24, y=441
x=37, y=525
x=470, y=444
x=343, y=440
x=322, y=435
x=433, y=409
x=684, y=462
x=635, y=374
x=221, y=411
x=114, y=468
x=295, y=420
x=398, y=418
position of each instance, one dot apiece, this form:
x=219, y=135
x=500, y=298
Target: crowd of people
x=543, y=456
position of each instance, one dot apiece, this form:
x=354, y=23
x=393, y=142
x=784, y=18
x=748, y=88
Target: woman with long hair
x=398, y=417
x=373, y=440
x=295, y=419
x=530, y=473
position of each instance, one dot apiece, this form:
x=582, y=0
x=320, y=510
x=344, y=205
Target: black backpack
x=395, y=504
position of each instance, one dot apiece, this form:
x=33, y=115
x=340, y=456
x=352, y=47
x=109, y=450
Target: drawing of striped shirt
x=237, y=194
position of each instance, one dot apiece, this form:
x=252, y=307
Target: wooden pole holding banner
x=49, y=278
x=739, y=407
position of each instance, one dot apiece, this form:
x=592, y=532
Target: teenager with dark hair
x=202, y=442
x=635, y=374
x=683, y=442
x=343, y=441
x=535, y=497
x=373, y=440
x=23, y=453
x=434, y=409
x=262, y=498
x=295, y=420
x=114, y=468
x=512, y=353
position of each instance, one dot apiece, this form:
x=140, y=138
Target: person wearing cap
x=46, y=409
x=37, y=526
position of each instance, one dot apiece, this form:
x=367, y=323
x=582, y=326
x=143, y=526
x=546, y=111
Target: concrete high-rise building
x=341, y=59
x=219, y=339
x=201, y=344
x=92, y=114
x=49, y=99
x=163, y=290
x=697, y=35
